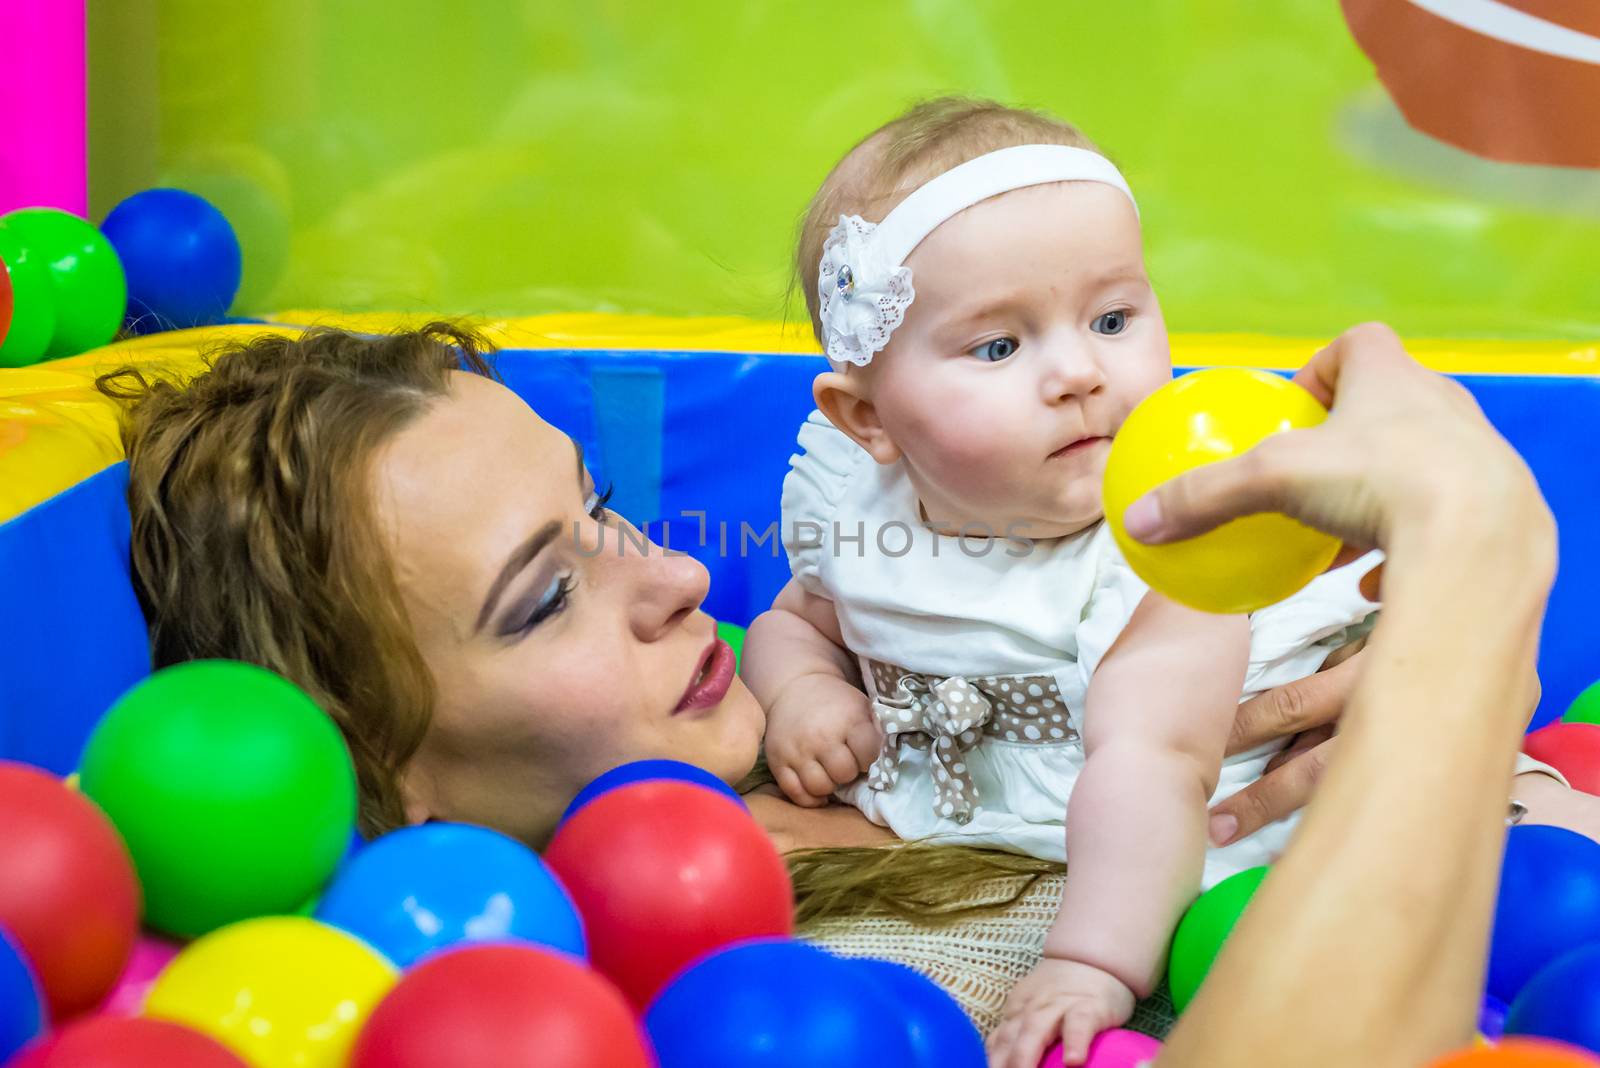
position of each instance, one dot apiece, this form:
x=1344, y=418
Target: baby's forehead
x=1075, y=228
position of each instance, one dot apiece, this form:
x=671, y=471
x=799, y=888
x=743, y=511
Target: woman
x=431, y=562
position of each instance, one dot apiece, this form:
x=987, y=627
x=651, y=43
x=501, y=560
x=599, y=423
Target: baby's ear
x=847, y=402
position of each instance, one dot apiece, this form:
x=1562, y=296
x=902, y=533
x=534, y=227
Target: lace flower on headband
x=861, y=295
x=863, y=284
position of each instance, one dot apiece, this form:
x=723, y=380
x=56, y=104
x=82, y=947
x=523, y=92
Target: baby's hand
x=1058, y=998
x=820, y=734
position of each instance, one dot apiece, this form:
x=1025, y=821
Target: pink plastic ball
x=150, y=955
x=1111, y=1049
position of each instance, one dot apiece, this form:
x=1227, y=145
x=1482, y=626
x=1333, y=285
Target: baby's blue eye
x=998, y=349
x=1112, y=322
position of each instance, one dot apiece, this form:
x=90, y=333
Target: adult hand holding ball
x=1246, y=563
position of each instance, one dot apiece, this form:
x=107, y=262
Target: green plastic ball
x=1203, y=930
x=733, y=634
x=1585, y=708
x=33, y=303
x=233, y=790
x=91, y=294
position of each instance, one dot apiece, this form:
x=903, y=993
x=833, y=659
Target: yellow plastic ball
x=1246, y=563
x=280, y=991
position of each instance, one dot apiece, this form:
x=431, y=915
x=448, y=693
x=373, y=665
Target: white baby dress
x=977, y=654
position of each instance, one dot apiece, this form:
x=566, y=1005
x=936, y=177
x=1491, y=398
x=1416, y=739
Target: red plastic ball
x=127, y=1042
x=69, y=893
x=502, y=1006
x=665, y=872
x=5, y=300
x=1573, y=749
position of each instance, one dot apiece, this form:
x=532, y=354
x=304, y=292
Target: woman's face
x=559, y=648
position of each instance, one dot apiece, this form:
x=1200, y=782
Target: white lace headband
x=864, y=287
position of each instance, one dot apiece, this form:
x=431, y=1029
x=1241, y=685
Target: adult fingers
x=1270, y=798
x=1296, y=706
x=1303, y=741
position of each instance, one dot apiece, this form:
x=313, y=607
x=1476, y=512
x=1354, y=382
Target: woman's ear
x=846, y=401
x=416, y=796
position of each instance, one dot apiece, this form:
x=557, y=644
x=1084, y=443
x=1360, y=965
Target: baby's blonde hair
x=893, y=160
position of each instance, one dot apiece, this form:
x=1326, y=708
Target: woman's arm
x=1366, y=944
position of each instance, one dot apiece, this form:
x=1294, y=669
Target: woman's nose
x=665, y=587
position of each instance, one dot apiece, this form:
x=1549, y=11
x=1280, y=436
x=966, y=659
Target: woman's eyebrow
x=525, y=553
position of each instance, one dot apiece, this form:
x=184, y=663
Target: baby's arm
x=1157, y=719
x=820, y=729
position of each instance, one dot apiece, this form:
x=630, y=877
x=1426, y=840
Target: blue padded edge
x=72, y=638
x=678, y=433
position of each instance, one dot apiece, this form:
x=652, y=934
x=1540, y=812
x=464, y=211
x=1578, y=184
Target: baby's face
x=1033, y=335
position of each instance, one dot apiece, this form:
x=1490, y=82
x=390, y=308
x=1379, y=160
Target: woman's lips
x=1078, y=446
x=711, y=680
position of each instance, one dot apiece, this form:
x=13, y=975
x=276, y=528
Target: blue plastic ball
x=776, y=1004
x=421, y=889
x=1549, y=902
x=1562, y=1001
x=180, y=256
x=644, y=771
x=941, y=1034
x=21, y=1005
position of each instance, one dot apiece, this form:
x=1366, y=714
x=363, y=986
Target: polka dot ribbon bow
x=947, y=716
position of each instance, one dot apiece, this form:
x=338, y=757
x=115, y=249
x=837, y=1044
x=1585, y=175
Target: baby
x=988, y=335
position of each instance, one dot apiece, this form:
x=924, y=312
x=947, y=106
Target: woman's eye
x=596, y=505
x=553, y=601
x=998, y=349
x=1112, y=322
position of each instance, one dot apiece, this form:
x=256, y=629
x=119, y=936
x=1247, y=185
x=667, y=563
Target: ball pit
x=69, y=895
x=1549, y=902
x=21, y=1002
x=109, y=1042
x=33, y=310
x=232, y=764
x=649, y=771
x=5, y=301
x=181, y=258
x=87, y=289
x=421, y=889
x=150, y=955
x=1519, y=1053
x=1203, y=930
x=280, y=991
x=774, y=1004
x=1573, y=749
x=502, y=1007
x=663, y=873
x=1561, y=1001
x=940, y=1034
x=1116, y=1048
x=1198, y=419
x=1585, y=708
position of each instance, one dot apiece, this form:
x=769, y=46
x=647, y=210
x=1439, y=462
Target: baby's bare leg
x=1551, y=803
